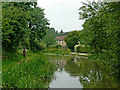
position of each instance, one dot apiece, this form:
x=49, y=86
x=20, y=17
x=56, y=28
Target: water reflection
x=64, y=80
x=78, y=72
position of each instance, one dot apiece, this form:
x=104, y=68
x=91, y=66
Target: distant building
x=60, y=41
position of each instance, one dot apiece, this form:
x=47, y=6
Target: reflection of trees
x=61, y=63
x=92, y=74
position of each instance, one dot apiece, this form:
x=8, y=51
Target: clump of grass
x=35, y=73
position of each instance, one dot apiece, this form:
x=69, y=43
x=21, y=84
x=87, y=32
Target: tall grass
x=35, y=73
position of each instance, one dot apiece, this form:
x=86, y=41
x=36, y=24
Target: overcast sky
x=63, y=14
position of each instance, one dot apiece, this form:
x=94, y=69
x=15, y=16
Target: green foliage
x=100, y=31
x=49, y=38
x=43, y=45
x=8, y=55
x=71, y=39
x=52, y=46
x=37, y=26
x=23, y=26
x=58, y=46
x=13, y=26
x=82, y=49
x=35, y=73
x=56, y=49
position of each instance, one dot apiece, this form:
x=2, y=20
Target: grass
x=35, y=73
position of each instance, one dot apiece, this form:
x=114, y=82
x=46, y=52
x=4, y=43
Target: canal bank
x=57, y=71
x=71, y=54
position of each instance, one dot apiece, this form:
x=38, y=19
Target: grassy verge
x=35, y=73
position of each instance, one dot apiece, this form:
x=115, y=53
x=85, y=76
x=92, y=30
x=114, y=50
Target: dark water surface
x=79, y=72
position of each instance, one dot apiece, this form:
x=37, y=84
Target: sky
x=62, y=14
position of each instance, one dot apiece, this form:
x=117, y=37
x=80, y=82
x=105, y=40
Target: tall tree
x=14, y=26
x=100, y=30
x=25, y=25
x=49, y=39
x=38, y=26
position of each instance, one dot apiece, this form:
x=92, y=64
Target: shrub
x=82, y=49
x=43, y=45
x=52, y=46
x=58, y=46
x=61, y=51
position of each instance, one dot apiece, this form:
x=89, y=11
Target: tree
x=56, y=32
x=38, y=27
x=49, y=38
x=101, y=32
x=61, y=32
x=71, y=39
x=24, y=25
x=14, y=26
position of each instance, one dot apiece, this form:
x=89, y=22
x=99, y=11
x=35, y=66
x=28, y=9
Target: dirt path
x=27, y=59
x=23, y=60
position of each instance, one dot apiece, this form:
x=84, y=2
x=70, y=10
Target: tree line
x=100, y=33
x=23, y=25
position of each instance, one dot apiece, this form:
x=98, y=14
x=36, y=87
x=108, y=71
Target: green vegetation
x=49, y=38
x=99, y=35
x=56, y=49
x=71, y=39
x=34, y=71
x=24, y=26
x=100, y=32
x=83, y=49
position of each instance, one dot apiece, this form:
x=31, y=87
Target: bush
x=82, y=49
x=61, y=51
x=58, y=46
x=52, y=46
x=55, y=46
x=43, y=45
x=38, y=45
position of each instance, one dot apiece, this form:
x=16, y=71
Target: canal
x=79, y=72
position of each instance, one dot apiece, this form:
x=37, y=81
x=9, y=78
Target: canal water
x=79, y=72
